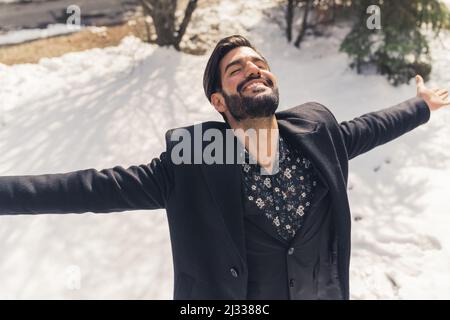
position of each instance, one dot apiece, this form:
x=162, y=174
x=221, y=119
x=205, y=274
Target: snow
x=15, y=37
x=105, y=107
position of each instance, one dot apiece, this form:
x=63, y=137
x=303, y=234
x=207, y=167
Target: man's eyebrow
x=239, y=61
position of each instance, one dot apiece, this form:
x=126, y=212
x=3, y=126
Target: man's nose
x=251, y=69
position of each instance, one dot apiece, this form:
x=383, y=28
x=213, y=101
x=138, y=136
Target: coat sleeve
x=108, y=190
x=370, y=130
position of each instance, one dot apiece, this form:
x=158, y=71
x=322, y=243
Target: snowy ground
x=101, y=108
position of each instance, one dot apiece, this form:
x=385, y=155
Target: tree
x=314, y=14
x=164, y=20
x=399, y=49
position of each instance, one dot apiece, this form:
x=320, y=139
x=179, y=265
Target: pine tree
x=399, y=49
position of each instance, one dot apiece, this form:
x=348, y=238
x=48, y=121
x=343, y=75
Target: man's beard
x=244, y=107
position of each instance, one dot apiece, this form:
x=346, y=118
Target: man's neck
x=260, y=137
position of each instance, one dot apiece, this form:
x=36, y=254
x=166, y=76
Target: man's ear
x=218, y=102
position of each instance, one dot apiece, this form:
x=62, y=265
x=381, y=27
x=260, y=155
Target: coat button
x=292, y=283
x=291, y=251
x=234, y=272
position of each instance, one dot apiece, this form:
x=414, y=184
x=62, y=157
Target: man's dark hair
x=212, y=77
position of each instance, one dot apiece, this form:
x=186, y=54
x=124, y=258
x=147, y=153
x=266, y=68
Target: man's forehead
x=238, y=53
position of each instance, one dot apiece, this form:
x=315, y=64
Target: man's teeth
x=256, y=84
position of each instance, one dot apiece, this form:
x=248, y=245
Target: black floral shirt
x=284, y=197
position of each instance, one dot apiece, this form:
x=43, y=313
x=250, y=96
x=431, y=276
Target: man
x=277, y=227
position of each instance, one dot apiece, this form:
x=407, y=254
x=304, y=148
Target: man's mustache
x=246, y=81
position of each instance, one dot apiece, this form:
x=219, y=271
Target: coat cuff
x=422, y=109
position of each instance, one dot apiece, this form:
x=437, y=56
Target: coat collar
x=224, y=181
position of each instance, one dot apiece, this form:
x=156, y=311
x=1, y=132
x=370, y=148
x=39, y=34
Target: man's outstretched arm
x=108, y=190
x=376, y=128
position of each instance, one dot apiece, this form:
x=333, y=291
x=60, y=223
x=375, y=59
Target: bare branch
x=187, y=17
x=148, y=8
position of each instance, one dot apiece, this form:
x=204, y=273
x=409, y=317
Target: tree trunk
x=163, y=15
x=289, y=19
x=333, y=12
x=301, y=34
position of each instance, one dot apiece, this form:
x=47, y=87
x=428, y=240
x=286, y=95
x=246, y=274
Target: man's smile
x=255, y=84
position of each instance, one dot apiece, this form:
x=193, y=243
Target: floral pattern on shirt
x=285, y=197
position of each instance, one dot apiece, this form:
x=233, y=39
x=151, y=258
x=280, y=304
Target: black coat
x=204, y=203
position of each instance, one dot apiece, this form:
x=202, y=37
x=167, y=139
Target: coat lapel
x=315, y=141
x=224, y=182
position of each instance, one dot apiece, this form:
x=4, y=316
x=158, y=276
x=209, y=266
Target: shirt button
x=233, y=272
x=291, y=251
x=291, y=283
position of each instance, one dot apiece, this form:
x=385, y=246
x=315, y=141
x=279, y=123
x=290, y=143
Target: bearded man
x=277, y=227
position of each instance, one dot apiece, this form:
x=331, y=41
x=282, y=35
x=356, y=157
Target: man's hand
x=435, y=99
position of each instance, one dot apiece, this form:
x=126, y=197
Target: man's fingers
x=419, y=81
x=444, y=96
x=441, y=92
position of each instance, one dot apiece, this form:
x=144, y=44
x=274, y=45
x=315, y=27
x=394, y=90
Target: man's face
x=249, y=89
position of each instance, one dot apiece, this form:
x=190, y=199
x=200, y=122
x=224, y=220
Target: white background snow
x=107, y=107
